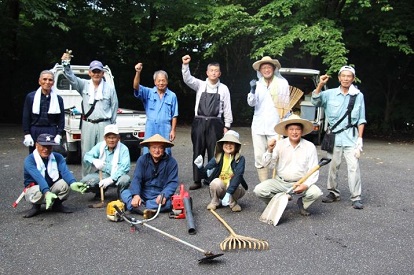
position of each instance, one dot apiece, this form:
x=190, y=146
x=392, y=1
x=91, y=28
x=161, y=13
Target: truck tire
x=72, y=157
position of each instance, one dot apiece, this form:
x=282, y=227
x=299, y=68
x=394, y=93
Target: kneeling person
x=155, y=173
x=226, y=179
x=112, y=158
x=49, y=177
x=294, y=157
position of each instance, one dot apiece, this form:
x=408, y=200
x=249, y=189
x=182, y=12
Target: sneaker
x=211, y=206
x=33, y=211
x=236, y=208
x=302, y=210
x=331, y=198
x=195, y=185
x=357, y=205
x=149, y=213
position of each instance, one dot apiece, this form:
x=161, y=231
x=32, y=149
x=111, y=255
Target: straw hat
x=266, y=60
x=158, y=139
x=280, y=128
x=230, y=136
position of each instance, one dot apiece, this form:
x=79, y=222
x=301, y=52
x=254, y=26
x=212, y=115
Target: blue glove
x=226, y=200
x=253, y=86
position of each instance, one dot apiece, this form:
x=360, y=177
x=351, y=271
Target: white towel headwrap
x=52, y=169
x=54, y=107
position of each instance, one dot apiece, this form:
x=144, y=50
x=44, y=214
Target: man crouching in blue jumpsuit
x=155, y=173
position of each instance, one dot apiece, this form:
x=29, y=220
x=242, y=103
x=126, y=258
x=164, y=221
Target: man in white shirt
x=294, y=157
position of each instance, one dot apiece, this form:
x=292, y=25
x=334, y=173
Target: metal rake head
x=243, y=242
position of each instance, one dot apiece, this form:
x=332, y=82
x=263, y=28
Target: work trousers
x=354, y=176
x=218, y=191
x=93, y=180
x=205, y=132
x=126, y=197
x=35, y=196
x=269, y=188
x=92, y=133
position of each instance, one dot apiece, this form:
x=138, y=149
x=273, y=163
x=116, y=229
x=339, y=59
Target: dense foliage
x=375, y=36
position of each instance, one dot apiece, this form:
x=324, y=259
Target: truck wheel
x=72, y=157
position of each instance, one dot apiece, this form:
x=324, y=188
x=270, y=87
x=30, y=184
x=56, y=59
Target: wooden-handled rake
x=235, y=241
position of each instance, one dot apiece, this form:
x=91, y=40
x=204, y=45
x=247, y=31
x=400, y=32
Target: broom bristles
x=283, y=107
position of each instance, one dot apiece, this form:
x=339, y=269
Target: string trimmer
x=208, y=255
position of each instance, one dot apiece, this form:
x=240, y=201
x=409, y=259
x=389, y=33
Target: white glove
x=28, y=140
x=358, y=148
x=226, y=200
x=253, y=86
x=106, y=182
x=199, y=161
x=99, y=164
x=58, y=138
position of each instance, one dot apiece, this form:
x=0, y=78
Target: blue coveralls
x=159, y=111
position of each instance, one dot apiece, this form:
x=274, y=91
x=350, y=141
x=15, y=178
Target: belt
x=96, y=120
x=289, y=181
x=208, y=117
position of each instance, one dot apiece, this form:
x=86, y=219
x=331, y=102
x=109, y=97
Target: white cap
x=347, y=68
x=111, y=129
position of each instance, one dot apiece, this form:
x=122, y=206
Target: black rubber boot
x=33, y=211
x=58, y=207
x=138, y=210
x=195, y=186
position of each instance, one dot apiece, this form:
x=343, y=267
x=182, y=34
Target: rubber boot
x=33, y=211
x=58, y=207
x=263, y=174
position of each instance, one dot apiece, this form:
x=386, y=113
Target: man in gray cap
x=99, y=103
x=48, y=178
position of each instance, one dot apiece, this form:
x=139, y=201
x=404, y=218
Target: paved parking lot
x=335, y=239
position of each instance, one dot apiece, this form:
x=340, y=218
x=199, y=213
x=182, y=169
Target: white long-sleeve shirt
x=292, y=164
x=265, y=115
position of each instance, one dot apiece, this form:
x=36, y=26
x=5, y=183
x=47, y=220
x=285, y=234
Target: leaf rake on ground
x=235, y=241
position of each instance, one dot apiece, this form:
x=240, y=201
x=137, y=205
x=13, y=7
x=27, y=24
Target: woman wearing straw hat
x=269, y=96
x=155, y=173
x=294, y=157
x=227, y=169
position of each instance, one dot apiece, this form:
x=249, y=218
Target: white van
x=307, y=80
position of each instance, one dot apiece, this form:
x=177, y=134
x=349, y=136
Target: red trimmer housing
x=177, y=201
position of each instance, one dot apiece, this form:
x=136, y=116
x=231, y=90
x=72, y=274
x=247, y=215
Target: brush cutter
x=101, y=189
x=235, y=241
x=278, y=203
x=208, y=255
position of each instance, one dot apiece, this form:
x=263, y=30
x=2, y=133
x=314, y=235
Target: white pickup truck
x=307, y=80
x=131, y=123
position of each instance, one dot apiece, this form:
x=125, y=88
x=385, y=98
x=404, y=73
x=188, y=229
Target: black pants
x=205, y=132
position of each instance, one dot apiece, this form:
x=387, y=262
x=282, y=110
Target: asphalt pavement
x=335, y=239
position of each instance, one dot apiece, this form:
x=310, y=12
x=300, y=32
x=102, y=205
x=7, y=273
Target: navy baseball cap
x=96, y=65
x=46, y=139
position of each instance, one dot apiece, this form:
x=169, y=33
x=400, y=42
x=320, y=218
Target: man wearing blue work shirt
x=112, y=158
x=348, y=137
x=161, y=106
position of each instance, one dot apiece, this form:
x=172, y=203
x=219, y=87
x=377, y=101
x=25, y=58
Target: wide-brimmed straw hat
x=280, y=128
x=157, y=139
x=229, y=136
x=266, y=60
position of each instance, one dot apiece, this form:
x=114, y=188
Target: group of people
x=106, y=161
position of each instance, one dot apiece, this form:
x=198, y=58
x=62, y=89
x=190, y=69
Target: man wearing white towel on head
x=43, y=112
x=99, y=103
x=112, y=158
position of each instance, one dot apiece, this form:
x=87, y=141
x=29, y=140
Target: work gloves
x=28, y=140
x=358, y=147
x=253, y=86
x=199, y=161
x=50, y=199
x=99, y=164
x=57, y=139
x=106, y=182
x=79, y=187
x=226, y=200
